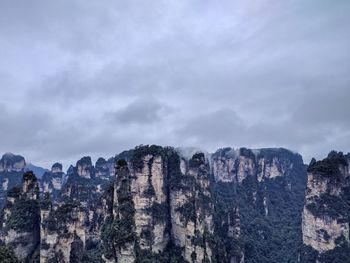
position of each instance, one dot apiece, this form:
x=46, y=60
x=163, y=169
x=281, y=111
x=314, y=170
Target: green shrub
x=7, y=255
x=24, y=215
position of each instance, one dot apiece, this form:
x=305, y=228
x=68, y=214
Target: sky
x=95, y=77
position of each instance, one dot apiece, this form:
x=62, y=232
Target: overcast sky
x=97, y=77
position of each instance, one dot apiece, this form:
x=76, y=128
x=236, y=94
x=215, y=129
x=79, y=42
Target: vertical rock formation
x=124, y=216
x=11, y=172
x=105, y=168
x=192, y=208
x=12, y=163
x=159, y=205
x=140, y=206
x=69, y=225
x=160, y=213
x=21, y=219
x=53, y=181
x=258, y=193
x=327, y=207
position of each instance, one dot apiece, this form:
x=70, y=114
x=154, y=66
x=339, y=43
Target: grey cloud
x=96, y=78
x=145, y=111
x=214, y=128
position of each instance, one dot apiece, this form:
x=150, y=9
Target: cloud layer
x=94, y=78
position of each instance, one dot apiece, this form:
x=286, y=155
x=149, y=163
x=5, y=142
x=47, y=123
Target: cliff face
x=12, y=163
x=155, y=204
x=21, y=219
x=192, y=209
x=327, y=202
x=69, y=216
x=231, y=165
x=259, y=193
x=52, y=182
x=159, y=210
x=11, y=172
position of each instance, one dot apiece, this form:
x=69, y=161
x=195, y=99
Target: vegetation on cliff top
x=328, y=166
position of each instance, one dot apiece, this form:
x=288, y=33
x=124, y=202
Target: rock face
x=21, y=219
x=105, y=169
x=156, y=204
x=160, y=212
x=12, y=163
x=231, y=165
x=192, y=209
x=327, y=202
x=254, y=190
x=53, y=181
x=11, y=172
x=69, y=220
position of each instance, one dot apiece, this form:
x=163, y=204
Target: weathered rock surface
x=12, y=163
x=155, y=204
x=53, y=181
x=21, y=219
x=327, y=202
x=11, y=171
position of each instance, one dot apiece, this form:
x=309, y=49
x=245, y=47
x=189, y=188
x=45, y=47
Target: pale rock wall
x=59, y=242
x=233, y=166
x=152, y=175
x=184, y=232
x=320, y=231
x=23, y=243
x=23, y=239
x=12, y=163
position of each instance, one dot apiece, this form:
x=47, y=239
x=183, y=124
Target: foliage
x=330, y=205
x=29, y=176
x=275, y=237
x=92, y=256
x=142, y=151
x=24, y=215
x=107, y=236
x=187, y=211
x=45, y=203
x=118, y=231
x=197, y=160
x=159, y=212
x=15, y=192
x=76, y=253
x=329, y=166
x=149, y=192
x=247, y=153
x=171, y=254
x=7, y=255
x=59, y=218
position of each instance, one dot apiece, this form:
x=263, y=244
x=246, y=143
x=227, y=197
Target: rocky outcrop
x=69, y=225
x=192, y=209
x=157, y=204
x=254, y=190
x=53, y=181
x=21, y=219
x=84, y=167
x=12, y=163
x=105, y=169
x=158, y=211
x=327, y=203
x=229, y=165
x=63, y=232
x=11, y=171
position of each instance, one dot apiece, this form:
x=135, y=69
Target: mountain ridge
x=151, y=204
